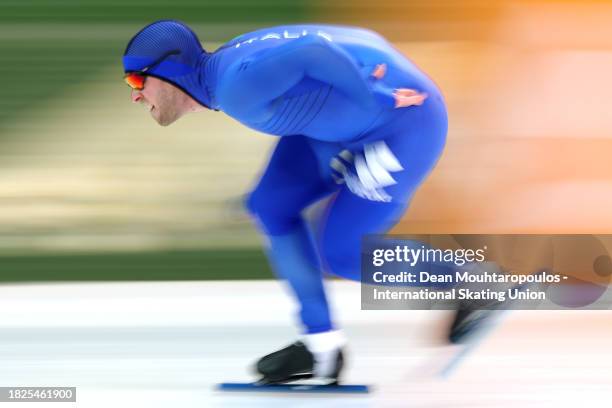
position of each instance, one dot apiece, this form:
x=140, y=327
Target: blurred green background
x=92, y=189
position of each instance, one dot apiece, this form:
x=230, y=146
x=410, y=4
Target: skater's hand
x=408, y=97
x=379, y=71
x=400, y=97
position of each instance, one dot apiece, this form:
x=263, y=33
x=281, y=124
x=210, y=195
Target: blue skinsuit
x=312, y=85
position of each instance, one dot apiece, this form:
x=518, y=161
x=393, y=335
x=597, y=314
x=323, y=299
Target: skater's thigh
x=347, y=219
x=417, y=142
x=290, y=182
x=352, y=214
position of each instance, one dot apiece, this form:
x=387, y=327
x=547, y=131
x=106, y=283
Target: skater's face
x=165, y=102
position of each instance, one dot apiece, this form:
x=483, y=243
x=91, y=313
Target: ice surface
x=167, y=344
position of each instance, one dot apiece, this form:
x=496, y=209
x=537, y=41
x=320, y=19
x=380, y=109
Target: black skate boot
x=474, y=318
x=296, y=362
x=470, y=322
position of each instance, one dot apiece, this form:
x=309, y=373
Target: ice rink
x=166, y=344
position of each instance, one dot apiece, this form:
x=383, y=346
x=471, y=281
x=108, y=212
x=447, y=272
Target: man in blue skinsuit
x=357, y=123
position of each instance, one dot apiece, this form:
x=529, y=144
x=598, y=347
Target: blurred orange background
x=528, y=89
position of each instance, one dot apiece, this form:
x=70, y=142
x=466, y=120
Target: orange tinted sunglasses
x=136, y=79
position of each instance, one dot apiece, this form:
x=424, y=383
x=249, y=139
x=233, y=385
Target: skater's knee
x=341, y=260
x=271, y=213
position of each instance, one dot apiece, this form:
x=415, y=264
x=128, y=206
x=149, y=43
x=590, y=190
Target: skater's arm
x=260, y=79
